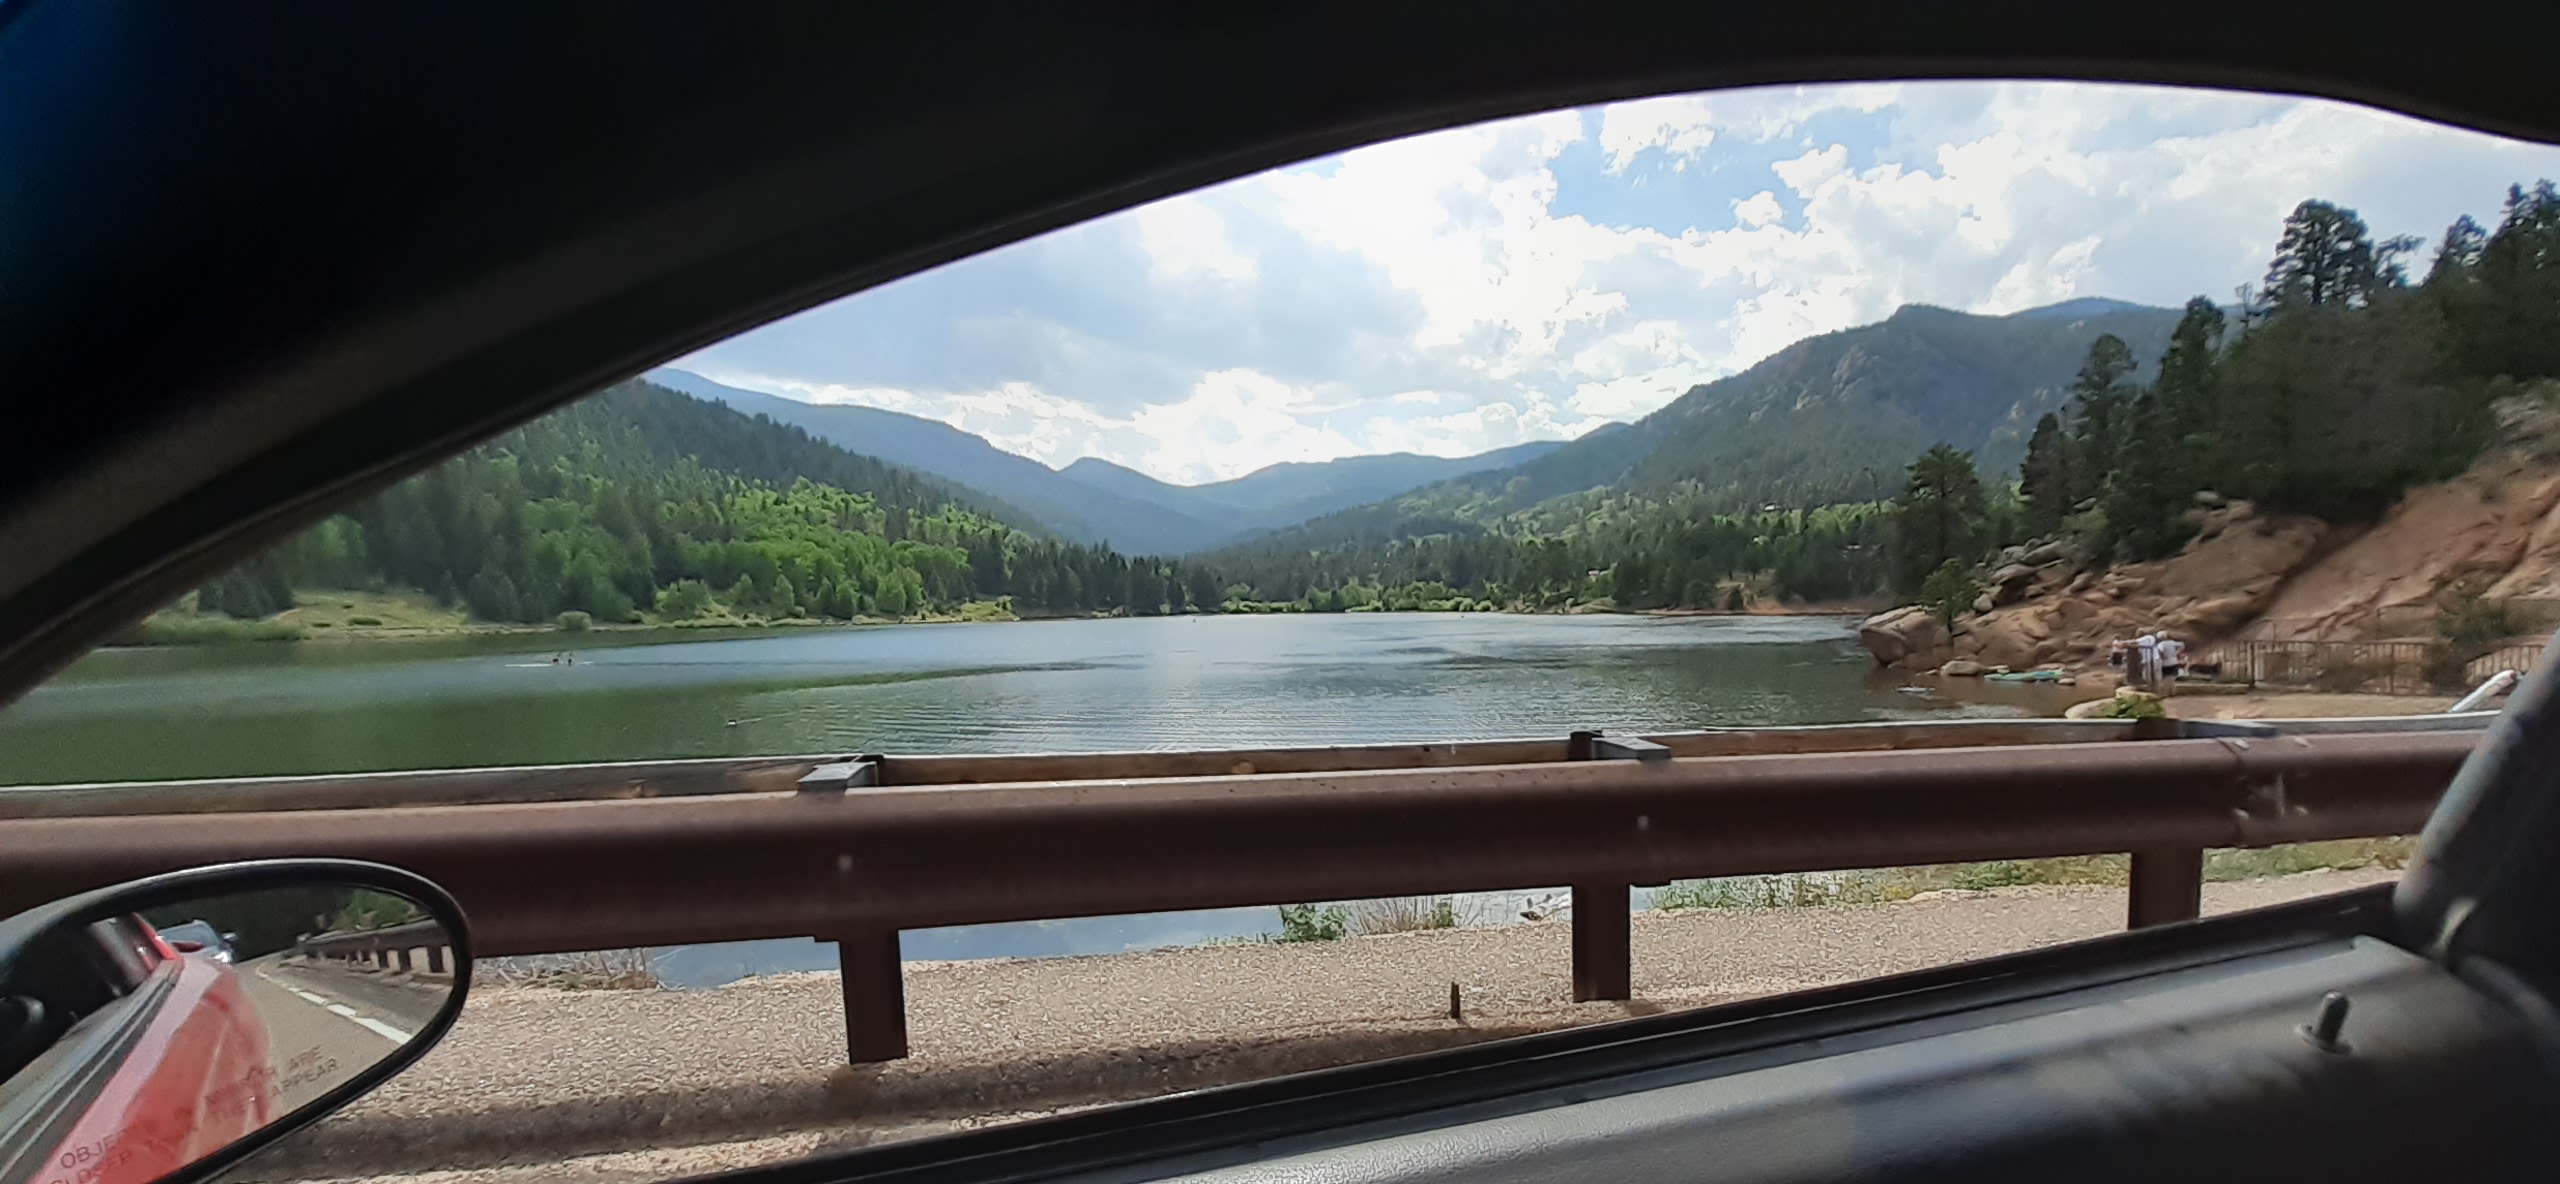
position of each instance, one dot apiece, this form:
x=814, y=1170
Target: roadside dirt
x=2302, y=705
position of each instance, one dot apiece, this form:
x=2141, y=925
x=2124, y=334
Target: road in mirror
x=144, y=1041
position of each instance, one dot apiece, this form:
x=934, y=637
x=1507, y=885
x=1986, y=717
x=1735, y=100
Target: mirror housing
x=349, y=972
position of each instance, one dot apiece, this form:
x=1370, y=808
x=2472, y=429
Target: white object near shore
x=2497, y=684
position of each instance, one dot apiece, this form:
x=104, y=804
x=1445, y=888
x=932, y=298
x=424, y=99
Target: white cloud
x=1681, y=126
x=1184, y=237
x=1759, y=209
x=1233, y=422
x=1237, y=421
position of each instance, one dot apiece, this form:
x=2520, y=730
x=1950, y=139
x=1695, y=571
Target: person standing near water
x=2143, y=665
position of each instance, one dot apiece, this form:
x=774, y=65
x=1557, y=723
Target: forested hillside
x=1601, y=548
x=641, y=498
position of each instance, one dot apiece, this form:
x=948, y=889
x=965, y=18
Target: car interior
x=263, y=261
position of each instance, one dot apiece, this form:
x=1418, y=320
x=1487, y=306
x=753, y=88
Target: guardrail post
x=839, y=776
x=875, y=996
x=1603, y=929
x=2168, y=886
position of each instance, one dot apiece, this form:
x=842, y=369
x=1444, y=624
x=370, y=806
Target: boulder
x=1895, y=635
x=1984, y=603
x=2010, y=583
x=2052, y=551
x=1961, y=668
x=2208, y=498
x=2214, y=617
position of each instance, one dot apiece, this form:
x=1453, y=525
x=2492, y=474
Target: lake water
x=1081, y=685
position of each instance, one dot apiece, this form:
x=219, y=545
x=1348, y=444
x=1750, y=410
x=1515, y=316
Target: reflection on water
x=1083, y=685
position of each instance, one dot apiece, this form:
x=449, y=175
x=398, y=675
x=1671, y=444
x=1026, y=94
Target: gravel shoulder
x=630, y=1085
x=2301, y=705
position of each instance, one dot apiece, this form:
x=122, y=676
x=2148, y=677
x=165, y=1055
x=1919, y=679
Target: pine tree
x=2044, y=477
x=2145, y=502
x=2326, y=257
x=2098, y=402
x=1940, y=514
x=2458, y=252
x=2186, y=392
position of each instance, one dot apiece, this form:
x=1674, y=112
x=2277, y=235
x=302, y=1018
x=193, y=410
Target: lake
x=1073, y=685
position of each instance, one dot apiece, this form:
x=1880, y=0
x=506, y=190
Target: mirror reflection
x=143, y=1041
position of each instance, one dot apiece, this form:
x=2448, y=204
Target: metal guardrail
x=388, y=947
x=857, y=867
x=733, y=775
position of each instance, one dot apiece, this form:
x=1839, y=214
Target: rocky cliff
x=2495, y=528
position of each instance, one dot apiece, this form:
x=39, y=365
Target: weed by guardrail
x=1883, y=885
x=1307, y=922
x=1403, y=914
x=599, y=970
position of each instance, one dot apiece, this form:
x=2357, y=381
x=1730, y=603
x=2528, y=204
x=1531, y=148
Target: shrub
x=176, y=630
x=684, y=600
x=1306, y=922
x=574, y=621
x=1950, y=591
x=1404, y=914
x=2134, y=706
x=2469, y=625
x=600, y=970
x=2351, y=675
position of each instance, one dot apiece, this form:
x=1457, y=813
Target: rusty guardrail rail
x=847, y=860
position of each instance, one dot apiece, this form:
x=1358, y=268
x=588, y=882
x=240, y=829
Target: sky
x=1533, y=278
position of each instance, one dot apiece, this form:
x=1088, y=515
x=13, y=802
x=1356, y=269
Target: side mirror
x=284, y=990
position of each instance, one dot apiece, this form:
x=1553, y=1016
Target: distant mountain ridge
x=1094, y=500
x=1831, y=418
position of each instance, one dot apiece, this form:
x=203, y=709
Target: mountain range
x=1831, y=418
x=1093, y=500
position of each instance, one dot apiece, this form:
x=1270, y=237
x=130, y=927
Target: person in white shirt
x=2173, y=659
x=2145, y=662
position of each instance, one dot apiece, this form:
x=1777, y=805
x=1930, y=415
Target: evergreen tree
x=2098, y=401
x=2326, y=256
x=2044, y=477
x=2185, y=388
x=2145, y=500
x=1939, y=516
x=2458, y=252
x=2513, y=328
